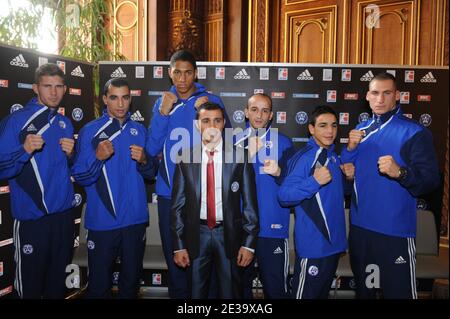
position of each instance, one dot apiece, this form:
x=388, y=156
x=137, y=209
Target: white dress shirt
x=217, y=181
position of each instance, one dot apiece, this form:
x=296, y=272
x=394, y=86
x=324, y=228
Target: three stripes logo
x=428, y=78
x=118, y=73
x=242, y=75
x=137, y=116
x=19, y=61
x=77, y=72
x=305, y=76
x=367, y=77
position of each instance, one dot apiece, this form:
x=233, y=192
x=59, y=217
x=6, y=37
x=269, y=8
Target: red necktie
x=210, y=192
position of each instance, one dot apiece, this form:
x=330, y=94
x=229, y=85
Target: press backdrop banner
x=17, y=67
x=295, y=90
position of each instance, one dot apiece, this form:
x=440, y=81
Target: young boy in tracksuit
x=111, y=164
x=269, y=151
x=36, y=144
x=314, y=185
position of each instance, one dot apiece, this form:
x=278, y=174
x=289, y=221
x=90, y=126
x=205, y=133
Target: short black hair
x=268, y=98
x=318, y=111
x=384, y=76
x=48, y=69
x=183, y=55
x=116, y=82
x=209, y=106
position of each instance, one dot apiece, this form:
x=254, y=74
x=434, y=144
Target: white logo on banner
x=19, y=61
x=201, y=72
x=428, y=78
x=137, y=116
x=367, y=77
x=242, y=75
x=305, y=76
x=77, y=72
x=118, y=73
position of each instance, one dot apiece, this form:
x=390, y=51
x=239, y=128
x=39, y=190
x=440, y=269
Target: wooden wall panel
x=215, y=33
x=129, y=20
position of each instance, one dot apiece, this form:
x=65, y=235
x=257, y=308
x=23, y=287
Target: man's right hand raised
x=354, y=138
x=104, y=150
x=168, y=99
x=322, y=175
x=33, y=143
x=181, y=258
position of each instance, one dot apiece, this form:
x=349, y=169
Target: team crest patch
x=27, y=249
x=235, y=187
x=269, y=144
x=313, y=270
x=90, y=244
x=133, y=131
x=62, y=125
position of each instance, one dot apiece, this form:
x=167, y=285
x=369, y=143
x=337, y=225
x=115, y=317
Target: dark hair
x=50, y=69
x=318, y=111
x=209, y=106
x=116, y=82
x=183, y=55
x=384, y=76
x=264, y=96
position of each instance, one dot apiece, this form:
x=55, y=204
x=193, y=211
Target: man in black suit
x=214, y=218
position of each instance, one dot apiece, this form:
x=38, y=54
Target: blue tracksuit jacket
x=40, y=183
x=382, y=204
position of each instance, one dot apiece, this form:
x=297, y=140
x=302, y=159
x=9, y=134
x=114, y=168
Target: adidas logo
x=103, y=135
x=118, y=73
x=428, y=78
x=31, y=128
x=242, y=75
x=400, y=260
x=19, y=61
x=77, y=72
x=305, y=76
x=367, y=77
x=137, y=116
x=278, y=250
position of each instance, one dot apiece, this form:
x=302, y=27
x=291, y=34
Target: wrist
x=402, y=173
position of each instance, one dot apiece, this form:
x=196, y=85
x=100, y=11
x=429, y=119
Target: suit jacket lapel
x=197, y=173
x=227, y=170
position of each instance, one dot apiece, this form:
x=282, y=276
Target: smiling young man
x=314, y=186
x=111, y=164
x=174, y=113
x=36, y=144
x=394, y=163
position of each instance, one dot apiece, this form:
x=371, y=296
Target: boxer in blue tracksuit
x=172, y=129
x=314, y=185
x=111, y=164
x=36, y=144
x=269, y=151
x=394, y=163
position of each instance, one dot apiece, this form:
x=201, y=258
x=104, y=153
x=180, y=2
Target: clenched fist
x=167, y=101
x=201, y=100
x=354, y=138
x=138, y=154
x=271, y=167
x=33, y=143
x=322, y=175
x=104, y=150
x=254, y=145
x=349, y=170
x=67, y=145
x=388, y=166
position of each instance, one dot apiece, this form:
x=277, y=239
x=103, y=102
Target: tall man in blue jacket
x=35, y=146
x=172, y=129
x=314, y=185
x=394, y=163
x=269, y=151
x=111, y=164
